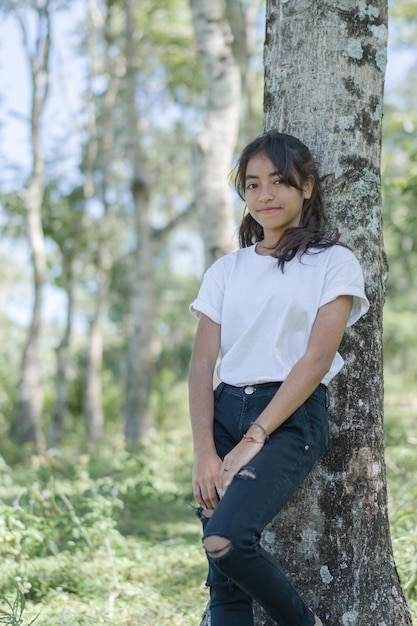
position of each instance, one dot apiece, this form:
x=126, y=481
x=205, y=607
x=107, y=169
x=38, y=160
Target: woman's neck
x=264, y=250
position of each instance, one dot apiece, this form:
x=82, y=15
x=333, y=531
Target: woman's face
x=273, y=204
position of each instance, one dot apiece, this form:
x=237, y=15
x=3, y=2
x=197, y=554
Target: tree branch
x=159, y=233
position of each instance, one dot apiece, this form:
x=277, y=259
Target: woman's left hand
x=234, y=461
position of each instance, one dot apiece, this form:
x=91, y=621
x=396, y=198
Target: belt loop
x=218, y=390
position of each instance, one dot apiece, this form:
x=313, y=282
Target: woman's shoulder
x=229, y=260
x=342, y=252
x=336, y=253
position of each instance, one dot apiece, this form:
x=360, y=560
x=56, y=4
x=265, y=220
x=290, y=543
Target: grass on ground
x=112, y=539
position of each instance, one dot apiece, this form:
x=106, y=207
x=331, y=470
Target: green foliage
x=111, y=538
x=12, y=614
x=399, y=189
x=45, y=521
x=12, y=204
x=401, y=460
x=175, y=326
x=399, y=168
x=166, y=32
x=12, y=340
x=104, y=529
x=402, y=15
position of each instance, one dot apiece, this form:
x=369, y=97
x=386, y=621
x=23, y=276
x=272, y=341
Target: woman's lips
x=272, y=209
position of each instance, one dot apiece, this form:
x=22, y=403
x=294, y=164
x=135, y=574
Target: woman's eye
x=251, y=186
x=279, y=181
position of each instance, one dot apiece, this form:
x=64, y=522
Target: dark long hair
x=293, y=160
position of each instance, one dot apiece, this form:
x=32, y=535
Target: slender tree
x=151, y=155
x=28, y=420
x=324, y=66
x=60, y=408
x=112, y=70
x=71, y=234
x=243, y=18
x=216, y=143
x=63, y=223
x=139, y=363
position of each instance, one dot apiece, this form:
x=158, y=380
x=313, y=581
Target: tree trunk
x=114, y=67
x=139, y=372
x=216, y=144
x=324, y=83
x=139, y=368
x=28, y=421
x=93, y=407
x=60, y=408
x=242, y=18
x=68, y=237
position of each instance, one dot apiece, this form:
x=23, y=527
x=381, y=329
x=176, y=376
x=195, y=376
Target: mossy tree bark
x=324, y=80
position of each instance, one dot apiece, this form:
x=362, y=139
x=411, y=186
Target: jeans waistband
x=248, y=390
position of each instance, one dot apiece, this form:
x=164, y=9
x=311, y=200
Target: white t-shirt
x=266, y=315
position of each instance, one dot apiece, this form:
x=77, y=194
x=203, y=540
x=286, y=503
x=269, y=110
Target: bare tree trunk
x=28, y=421
x=139, y=365
x=93, y=408
x=325, y=67
x=60, y=408
x=217, y=141
x=242, y=17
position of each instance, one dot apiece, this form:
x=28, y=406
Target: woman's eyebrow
x=248, y=176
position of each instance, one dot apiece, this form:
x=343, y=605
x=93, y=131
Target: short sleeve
x=344, y=277
x=211, y=294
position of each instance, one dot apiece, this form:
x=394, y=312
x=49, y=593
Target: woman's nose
x=265, y=194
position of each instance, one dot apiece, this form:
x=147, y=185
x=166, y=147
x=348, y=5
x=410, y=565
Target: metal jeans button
x=249, y=390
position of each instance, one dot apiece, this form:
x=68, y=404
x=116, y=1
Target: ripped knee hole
x=216, y=547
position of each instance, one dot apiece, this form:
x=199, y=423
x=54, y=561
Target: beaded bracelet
x=262, y=428
x=250, y=439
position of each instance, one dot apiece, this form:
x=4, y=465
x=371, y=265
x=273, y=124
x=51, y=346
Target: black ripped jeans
x=247, y=572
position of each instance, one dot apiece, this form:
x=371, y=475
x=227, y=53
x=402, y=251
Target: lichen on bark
x=333, y=538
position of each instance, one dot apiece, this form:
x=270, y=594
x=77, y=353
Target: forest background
x=96, y=526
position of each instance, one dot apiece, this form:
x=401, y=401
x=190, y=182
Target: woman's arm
x=206, y=462
x=305, y=376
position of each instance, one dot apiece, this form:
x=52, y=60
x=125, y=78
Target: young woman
x=276, y=310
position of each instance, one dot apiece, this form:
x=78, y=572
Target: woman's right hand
x=206, y=470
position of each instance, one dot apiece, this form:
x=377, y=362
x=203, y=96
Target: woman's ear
x=308, y=187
